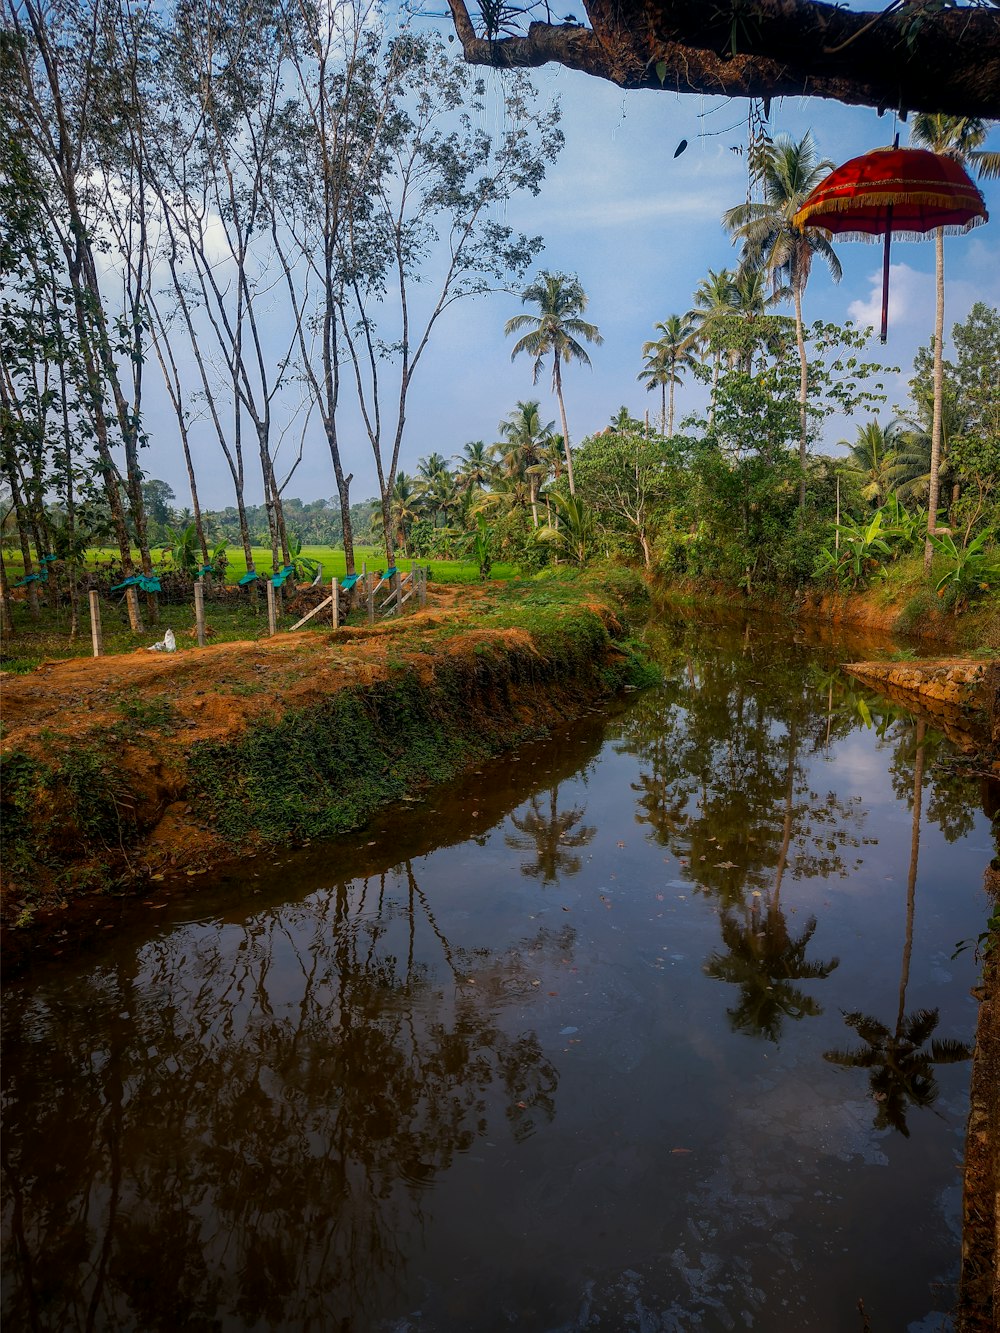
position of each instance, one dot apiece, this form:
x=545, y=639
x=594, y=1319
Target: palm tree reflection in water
x=552, y=835
x=900, y=1061
x=763, y=959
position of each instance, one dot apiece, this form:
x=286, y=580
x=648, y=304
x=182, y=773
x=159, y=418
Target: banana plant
x=970, y=571
x=861, y=546
x=482, y=547
x=305, y=566
x=182, y=551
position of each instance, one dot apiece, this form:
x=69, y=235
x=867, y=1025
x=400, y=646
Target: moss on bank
x=85, y=811
x=321, y=771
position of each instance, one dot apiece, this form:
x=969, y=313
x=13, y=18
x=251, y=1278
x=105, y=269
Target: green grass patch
x=331, y=558
x=56, y=814
x=142, y=714
x=321, y=771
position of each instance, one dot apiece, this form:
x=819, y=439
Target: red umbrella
x=906, y=191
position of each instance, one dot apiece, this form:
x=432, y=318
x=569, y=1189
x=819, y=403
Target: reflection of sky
x=672, y=1173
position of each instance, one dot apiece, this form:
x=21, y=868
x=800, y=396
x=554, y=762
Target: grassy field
x=231, y=619
x=330, y=557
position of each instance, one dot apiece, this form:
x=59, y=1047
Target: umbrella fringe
x=877, y=237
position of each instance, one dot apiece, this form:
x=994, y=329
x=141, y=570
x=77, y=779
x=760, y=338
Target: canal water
x=654, y=1025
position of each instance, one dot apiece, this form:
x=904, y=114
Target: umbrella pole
x=885, y=272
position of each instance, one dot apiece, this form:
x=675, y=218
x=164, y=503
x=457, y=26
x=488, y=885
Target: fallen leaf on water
x=523, y=1105
x=536, y=983
x=678, y=1152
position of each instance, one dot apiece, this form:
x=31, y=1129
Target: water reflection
x=724, y=786
x=474, y=1068
x=763, y=959
x=552, y=835
x=265, y=1111
x=901, y=1069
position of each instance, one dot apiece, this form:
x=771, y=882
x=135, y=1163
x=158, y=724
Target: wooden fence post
x=272, y=615
x=199, y=611
x=96, y=637
x=423, y=585
x=371, y=602
x=335, y=593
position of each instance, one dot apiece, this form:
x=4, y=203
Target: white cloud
x=911, y=297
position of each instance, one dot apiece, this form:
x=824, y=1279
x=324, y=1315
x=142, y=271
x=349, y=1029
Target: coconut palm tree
x=915, y=452
x=475, y=466
x=667, y=358
x=435, y=487
x=763, y=958
x=959, y=137
x=523, y=438
x=712, y=310
x=556, y=330
x=753, y=326
x=403, y=509
x=575, y=534
x=875, y=456
x=624, y=423
x=772, y=245
x=431, y=466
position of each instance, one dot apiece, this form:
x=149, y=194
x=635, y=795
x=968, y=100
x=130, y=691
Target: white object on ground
x=168, y=644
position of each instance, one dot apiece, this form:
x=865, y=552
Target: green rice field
x=233, y=618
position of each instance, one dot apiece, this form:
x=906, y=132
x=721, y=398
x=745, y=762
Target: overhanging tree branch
x=907, y=57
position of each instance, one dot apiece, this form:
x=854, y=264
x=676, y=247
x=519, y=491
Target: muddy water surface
x=654, y=1025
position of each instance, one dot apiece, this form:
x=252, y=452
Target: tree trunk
x=23, y=537
x=803, y=398
x=715, y=390
x=557, y=380
x=6, y=620
x=911, y=878
x=199, y=526
x=670, y=417
x=935, y=481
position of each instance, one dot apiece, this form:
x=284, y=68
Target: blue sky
x=641, y=228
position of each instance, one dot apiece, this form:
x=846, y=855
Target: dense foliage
x=180, y=184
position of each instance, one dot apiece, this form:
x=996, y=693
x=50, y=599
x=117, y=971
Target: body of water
x=653, y=1025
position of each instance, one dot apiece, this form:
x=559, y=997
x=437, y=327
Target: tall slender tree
x=959, y=137
x=788, y=171
x=712, y=309
x=667, y=358
x=523, y=438
x=555, y=331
